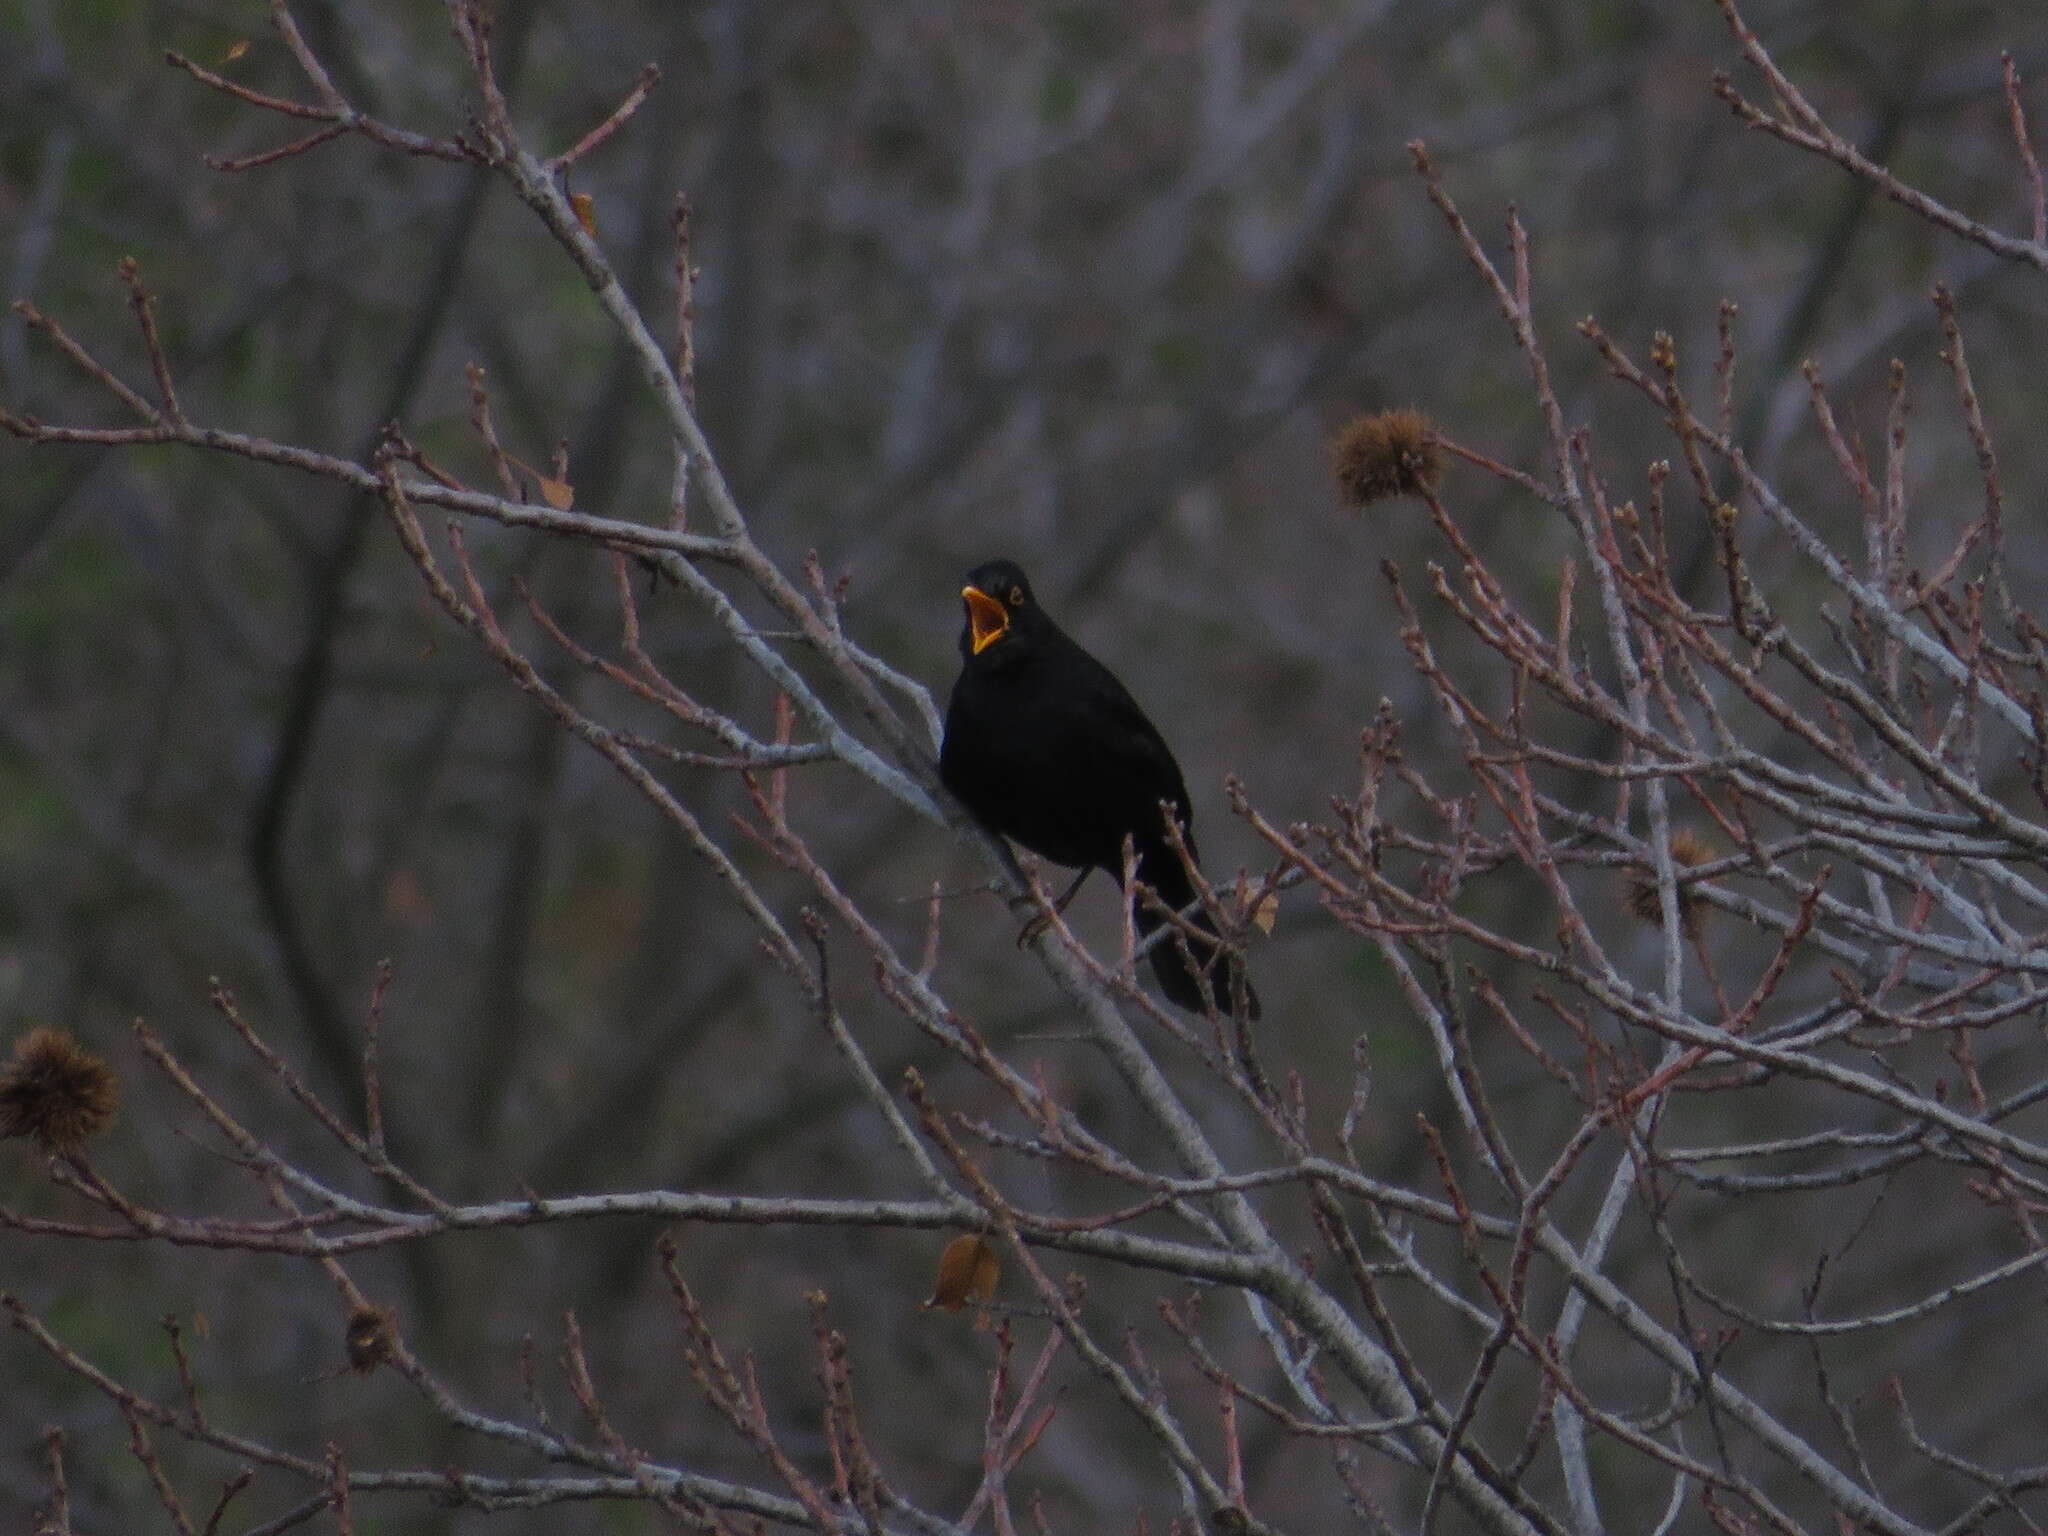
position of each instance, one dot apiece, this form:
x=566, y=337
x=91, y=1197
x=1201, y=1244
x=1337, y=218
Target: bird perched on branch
x=1044, y=746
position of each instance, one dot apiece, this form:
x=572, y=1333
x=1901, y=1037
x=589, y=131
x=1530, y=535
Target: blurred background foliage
x=1085, y=284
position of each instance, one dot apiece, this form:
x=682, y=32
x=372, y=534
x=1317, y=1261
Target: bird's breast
x=1052, y=764
x=1024, y=766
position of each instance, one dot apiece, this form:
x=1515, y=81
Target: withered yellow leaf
x=235, y=50
x=559, y=494
x=968, y=1270
x=1266, y=913
x=586, y=212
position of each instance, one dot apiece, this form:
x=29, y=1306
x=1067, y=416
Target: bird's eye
x=1016, y=597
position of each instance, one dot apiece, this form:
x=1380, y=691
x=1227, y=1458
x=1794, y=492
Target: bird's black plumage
x=1044, y=746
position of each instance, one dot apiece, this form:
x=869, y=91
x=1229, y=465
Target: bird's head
x=999, y=606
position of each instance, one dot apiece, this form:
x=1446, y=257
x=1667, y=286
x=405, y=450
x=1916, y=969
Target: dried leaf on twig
x=968, y=1271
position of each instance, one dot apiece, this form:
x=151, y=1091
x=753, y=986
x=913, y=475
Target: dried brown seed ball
x=56, y=1091
x=370, y=1338
x=1688, y=851
x=1392, y=453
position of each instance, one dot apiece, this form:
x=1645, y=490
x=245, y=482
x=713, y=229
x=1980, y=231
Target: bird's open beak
x=987, y=620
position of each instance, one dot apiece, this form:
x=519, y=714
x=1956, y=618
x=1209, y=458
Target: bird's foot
x=1035, y=929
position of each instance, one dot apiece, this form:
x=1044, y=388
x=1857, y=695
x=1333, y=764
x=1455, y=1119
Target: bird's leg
x=1042, y=921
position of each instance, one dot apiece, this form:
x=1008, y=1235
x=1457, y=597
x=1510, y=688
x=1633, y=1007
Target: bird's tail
x=1180, y=981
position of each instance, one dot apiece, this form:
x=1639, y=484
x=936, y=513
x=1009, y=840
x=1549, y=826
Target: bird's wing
x=1126, y=748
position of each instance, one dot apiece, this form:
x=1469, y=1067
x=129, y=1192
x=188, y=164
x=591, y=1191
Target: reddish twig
x=2017, y=116
x=649, y=75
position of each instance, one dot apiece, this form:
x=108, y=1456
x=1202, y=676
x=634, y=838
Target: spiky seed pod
x=1390, y=453
x=55, y=1091
x=370, y=1338
x=1688, y=851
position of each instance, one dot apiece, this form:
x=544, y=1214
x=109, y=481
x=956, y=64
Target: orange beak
x=987, y=620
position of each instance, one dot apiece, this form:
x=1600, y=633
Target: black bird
x=1044, y=746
